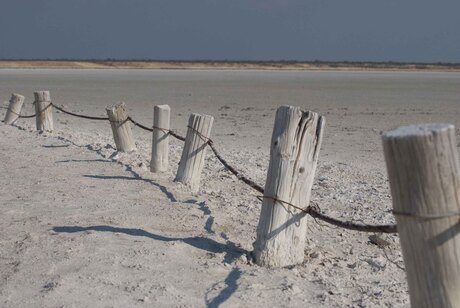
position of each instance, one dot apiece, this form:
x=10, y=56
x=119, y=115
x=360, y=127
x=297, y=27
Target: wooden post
x=14, y=108
x=122, y=135
x=192, y=160
x=160, y=138
x=423, y=171
x=43, y=111
x=295, y=145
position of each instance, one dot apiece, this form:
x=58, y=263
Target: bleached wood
x=121, y=128
x=193, y=155
x=160, y=138
x=14, y=108
x=43, y=111
x=295, y=145
x=423, y=171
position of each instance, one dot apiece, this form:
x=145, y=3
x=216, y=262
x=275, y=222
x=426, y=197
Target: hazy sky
x=367, y=30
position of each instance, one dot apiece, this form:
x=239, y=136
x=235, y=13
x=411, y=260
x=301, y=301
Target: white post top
x=16, y=95
x=417, y=130
x=42, y=96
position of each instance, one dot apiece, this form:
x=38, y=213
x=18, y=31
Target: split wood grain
x=193, y=155
x=121, y=128
x=43, y=111
x=14, y=108
x=423, y=171
x=160, y=138
x=295, y=145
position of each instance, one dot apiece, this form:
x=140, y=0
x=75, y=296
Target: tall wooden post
x=192, y=159
x=160, y=138
x=423, y=170
x=43, y=111
x=294, y=151
x=122, y=134
x=14, y=108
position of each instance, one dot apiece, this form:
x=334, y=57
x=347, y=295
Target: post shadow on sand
x=232, y=252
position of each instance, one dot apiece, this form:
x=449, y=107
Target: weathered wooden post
x=294, y=151
x=43, y=111
x=192, y=159
x=160, y=138
x=14, y=108
x=119, y=121
x=423, y=170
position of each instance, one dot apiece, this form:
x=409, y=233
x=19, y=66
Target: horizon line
x=364, y=62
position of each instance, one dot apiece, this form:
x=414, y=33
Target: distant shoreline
x=229, y=65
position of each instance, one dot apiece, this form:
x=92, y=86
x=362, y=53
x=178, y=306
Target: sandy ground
x=85, y=226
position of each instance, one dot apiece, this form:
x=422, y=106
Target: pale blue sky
x=354, y=30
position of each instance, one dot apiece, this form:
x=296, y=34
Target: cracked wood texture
x=14, y=108
x=423, y=170
x=43, y=111
x=122, y=134
x=192, y=160
x=160, y=138
x=295, y=145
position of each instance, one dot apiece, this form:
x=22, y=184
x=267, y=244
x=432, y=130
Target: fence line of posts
x=423, y=170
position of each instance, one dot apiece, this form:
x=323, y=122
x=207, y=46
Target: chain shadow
x=52, y=146
x=135, y=177
x=127, y=167
x=100, y=160
x=231, y=282
x=232, y=252
x=293, y=220
x=445, y=236
x=206, y=211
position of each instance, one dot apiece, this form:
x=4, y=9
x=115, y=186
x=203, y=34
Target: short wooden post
x=423, y=171
x=160, y=138
x=43, y=111
x=295, y=145
x=121, y=129
x=192, y=160
x=14, y=108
